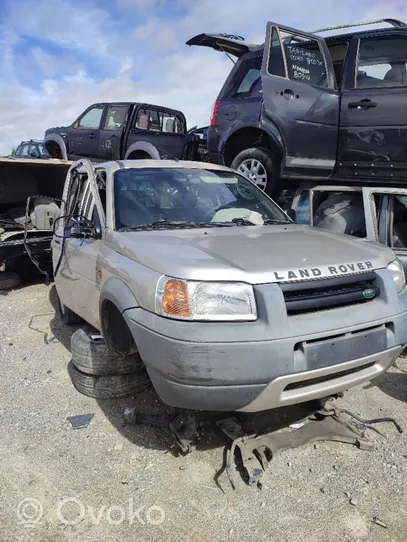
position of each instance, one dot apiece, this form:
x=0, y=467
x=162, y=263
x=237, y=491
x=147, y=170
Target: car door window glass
x=245, y=78
x=340, y=212
x=382, y=62
x=24, y=150
x=303, y=59
x=34, y=151
x=148, y=119
x=275, y=63
x=168, y=122
x=91, y=119
x=115, y=117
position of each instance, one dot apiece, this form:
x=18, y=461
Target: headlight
x=396, y=269
x=192, y=300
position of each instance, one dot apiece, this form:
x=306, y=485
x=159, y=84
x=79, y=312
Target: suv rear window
x=245, y=78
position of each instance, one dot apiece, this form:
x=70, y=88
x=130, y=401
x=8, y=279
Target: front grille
x=324, y=294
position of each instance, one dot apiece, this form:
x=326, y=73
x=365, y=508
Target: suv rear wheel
x=260, y=166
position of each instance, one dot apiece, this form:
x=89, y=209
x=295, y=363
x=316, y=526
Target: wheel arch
x=143, y=146
x=115, y=298
x=251, y=136
x=57, y=140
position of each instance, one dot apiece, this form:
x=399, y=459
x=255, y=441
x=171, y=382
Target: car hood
x=252, y=254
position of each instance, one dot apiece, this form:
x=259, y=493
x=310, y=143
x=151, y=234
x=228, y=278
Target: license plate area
x=341, y=348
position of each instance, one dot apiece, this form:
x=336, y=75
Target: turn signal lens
x=175, y=300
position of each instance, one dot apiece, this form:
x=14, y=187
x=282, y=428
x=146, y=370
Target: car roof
x=344, y=33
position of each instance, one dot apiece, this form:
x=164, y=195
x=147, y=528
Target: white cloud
x=145, y=63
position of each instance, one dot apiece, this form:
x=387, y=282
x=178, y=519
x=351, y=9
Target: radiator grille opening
x=324, y=294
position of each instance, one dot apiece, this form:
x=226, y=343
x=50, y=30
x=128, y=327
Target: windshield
x=172, y=196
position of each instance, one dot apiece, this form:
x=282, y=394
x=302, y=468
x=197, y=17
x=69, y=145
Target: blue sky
x=59, y=56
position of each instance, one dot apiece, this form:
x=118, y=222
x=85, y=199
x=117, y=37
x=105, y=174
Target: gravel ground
x=329, y=491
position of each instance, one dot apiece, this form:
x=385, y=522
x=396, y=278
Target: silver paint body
x=124, y=267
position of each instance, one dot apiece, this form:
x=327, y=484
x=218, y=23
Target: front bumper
x=252, y=376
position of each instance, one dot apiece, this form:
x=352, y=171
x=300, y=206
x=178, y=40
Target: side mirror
x=34, y=154
x=292, y=214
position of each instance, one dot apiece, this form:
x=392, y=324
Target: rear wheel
x=67, y=316
x=108, y=387
x=261, y=166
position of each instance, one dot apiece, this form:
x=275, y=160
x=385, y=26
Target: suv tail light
x=214, y=117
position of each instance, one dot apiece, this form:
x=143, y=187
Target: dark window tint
x=245, y=78
x=305, y=61
x=382, y=62
x=275, y=64
x=115, y=117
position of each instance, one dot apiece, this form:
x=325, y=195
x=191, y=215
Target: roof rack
x=394, y=22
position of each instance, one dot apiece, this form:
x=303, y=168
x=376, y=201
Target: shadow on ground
x=393, y=384
x=149, y=403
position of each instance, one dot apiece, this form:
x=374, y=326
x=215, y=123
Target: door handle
x=363, y=104
x=113, y=137
x=57, y=242
x=92, y=136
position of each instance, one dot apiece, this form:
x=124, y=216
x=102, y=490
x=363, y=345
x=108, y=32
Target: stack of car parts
x=97, y=372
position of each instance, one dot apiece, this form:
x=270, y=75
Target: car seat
x=397, y=74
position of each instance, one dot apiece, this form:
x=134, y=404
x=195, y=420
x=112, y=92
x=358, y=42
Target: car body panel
x=203, y=365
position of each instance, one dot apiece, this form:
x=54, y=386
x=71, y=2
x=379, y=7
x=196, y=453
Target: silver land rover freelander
x=230, y=305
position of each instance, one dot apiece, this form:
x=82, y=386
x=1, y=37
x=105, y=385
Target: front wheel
x=260, y=166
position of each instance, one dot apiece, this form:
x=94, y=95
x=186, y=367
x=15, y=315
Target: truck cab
x=305, y=106
x=122, y=130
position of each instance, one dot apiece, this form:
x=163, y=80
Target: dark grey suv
x=302, y=106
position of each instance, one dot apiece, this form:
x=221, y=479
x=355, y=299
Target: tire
x=92, y=356
x=108, y=387
x=9, y=280
x=245, y=162
x=67, y=316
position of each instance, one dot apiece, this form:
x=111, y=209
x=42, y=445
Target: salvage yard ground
x=328, y=491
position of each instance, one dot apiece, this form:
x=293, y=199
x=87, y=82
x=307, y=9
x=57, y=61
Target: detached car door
x=301, y=100
x=386, y=210
x=83, y=135
x=373, y=123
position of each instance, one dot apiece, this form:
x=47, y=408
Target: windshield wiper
x=243, y=222
x=275, y=221
x=165, y=224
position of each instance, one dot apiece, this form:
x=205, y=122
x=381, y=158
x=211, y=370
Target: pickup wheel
x=9, y=280
x=67, y=316
x=108, y=387
x=260, y=166
x=91, y=355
